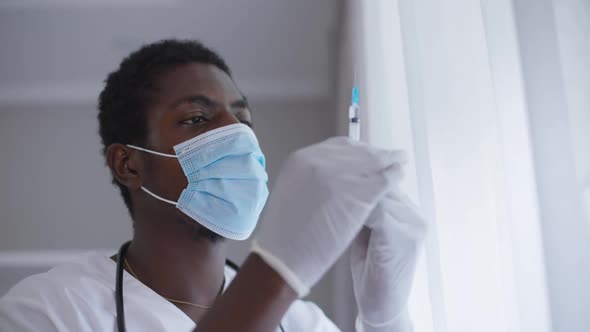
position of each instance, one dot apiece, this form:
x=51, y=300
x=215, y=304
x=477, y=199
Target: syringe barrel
x=354, y=122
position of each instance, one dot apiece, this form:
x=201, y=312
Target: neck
x=171, y=260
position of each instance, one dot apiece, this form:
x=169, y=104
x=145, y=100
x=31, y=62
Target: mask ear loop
x=158, y=197
x=159, y=154
x=153, y=152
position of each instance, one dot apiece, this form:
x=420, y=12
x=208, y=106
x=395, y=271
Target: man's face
x=189, y=100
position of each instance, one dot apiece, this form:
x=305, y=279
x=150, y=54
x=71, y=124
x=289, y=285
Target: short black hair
x=123, y=101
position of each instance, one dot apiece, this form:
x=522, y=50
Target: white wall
x=56, y=191
x=55, y=47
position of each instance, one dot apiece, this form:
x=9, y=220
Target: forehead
x=195, y=79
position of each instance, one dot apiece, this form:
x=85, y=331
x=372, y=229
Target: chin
x=197, y=231
x=208, y=234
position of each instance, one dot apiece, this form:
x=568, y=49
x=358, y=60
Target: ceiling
x=60, y=51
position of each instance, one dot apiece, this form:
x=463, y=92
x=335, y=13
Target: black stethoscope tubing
x=119, y=287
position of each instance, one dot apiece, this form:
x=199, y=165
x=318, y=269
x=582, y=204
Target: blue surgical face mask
x=227, y=180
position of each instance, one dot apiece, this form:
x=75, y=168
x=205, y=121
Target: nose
x=225, y=118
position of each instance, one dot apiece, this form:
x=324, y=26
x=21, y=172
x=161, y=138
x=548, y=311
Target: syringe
x=354, y=120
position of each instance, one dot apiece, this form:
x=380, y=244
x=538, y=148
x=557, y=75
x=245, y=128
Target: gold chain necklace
x=173, y=300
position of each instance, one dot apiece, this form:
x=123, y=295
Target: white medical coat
x=80, y=296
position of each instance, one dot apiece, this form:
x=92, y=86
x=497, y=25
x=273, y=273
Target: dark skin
x=167, y=253
x=260, y=296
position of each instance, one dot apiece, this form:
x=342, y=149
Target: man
x=192, y=177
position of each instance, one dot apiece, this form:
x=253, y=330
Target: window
x=460, y=86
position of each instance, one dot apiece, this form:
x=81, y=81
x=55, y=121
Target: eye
x=195, y=120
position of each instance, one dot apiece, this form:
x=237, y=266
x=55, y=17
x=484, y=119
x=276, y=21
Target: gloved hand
x=320, y=201
x=383, y=260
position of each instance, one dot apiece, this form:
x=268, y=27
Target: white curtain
x=445, y=81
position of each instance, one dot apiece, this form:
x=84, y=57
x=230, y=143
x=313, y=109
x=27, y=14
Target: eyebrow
x=208, y=102
x=200, y=99
x=240, y=103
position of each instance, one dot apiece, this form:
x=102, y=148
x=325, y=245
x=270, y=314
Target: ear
x=125, y=165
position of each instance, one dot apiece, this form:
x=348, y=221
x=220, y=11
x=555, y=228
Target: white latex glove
x=320, y=200
x=383, y=260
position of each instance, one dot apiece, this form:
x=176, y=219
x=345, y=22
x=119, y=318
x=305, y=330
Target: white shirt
x=80, y=296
